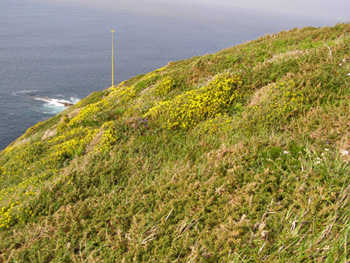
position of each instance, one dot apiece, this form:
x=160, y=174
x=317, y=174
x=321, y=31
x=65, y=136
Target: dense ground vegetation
x=238, y=156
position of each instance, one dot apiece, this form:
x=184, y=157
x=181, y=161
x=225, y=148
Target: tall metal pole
x=112, y=61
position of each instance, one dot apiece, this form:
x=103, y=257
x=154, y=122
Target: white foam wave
x=55, y=102
x=55, y=106
x=74, y=100
x=51, y=105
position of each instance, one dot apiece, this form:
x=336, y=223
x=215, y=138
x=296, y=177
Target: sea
x=52, y=52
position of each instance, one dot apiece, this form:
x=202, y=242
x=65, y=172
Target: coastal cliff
x=237, y=156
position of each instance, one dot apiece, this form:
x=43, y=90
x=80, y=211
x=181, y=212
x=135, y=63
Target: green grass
x=237, y=156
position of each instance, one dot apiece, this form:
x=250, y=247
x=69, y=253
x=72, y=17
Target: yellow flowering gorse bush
x=187, y=110
x=283, y=100
x=89, y=113
x=109, y=137
x=164, y=86
x=122, y=94
x=220, y=123
x=49, y=157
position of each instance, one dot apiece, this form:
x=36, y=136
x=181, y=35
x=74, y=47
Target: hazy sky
x=329, y=11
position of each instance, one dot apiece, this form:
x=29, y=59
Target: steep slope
x=238, y=156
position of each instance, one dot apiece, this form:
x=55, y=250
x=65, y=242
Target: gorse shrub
x=277, y=104
x=39, y=162
x=221, y=123
x=188, y=109
x=71, y=148
x=109, y=137
x=149, y=96
x=86, y=117
x=14, y=213
x=146, y=81
x=122, y=94
x=164, y=86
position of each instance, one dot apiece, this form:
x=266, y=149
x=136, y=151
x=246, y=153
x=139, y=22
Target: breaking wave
x=54, y=106
x=51, y=105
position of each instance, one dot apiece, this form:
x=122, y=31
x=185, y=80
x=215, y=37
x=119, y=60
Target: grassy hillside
x=237, y=156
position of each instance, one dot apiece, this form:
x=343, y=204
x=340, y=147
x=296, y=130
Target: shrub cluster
x=38, y=162
x=187, y=110
x=164, y=86
x=281, y=102
x=220, y=123
x=109, y=137
x=122, y=94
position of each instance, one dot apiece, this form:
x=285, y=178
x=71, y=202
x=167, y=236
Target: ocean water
x=52, y=53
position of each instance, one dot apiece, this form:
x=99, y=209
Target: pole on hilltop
x=112, y=31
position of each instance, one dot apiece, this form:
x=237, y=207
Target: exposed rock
x=67, y=104
x=74, y=113
x=49, y=133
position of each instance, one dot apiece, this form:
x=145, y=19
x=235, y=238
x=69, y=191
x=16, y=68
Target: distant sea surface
x=51, y=53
